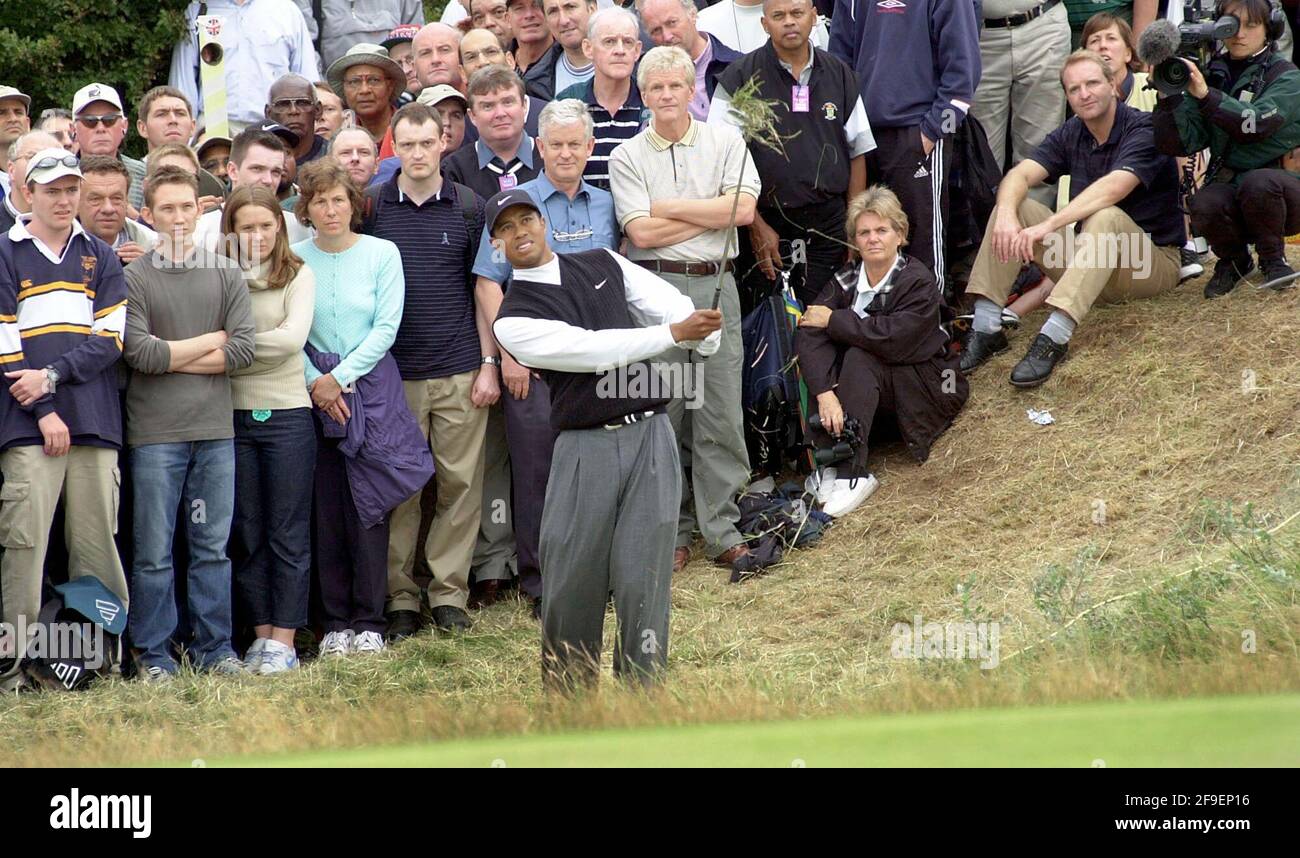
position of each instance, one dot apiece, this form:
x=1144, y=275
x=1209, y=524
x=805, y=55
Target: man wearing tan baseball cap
x=15, y=121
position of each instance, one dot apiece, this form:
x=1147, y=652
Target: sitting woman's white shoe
x=821, y=483
x=849, y=493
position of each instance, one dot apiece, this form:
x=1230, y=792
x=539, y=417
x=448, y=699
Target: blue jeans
x=202, y=475
x=270, y=542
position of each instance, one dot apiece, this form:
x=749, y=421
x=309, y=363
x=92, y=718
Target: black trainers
x=1037, y=364
x=1277, y=274
x=402, y=625
x=980, y=347
x=1191, y=265
x=1227, y=274
x=449, y=618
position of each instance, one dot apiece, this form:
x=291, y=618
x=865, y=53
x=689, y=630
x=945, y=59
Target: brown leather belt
x=690, y=269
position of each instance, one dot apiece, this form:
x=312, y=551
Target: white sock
x=1059, y=327
x=988, y=316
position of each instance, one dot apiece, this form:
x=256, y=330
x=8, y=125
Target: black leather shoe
x=980, y=347
x=449, y=618
x=1227, y=274
x=1037, y=364
x=402, y=625
x=1277, y=274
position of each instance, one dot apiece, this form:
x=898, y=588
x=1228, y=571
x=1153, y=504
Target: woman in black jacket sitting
x=872, y=347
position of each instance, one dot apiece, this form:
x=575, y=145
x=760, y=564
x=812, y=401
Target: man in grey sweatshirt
x=189, y=324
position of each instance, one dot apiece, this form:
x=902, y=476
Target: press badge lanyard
x=506, y=178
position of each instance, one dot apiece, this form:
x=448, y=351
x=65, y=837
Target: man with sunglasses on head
x=62, y=327
x=99, y=127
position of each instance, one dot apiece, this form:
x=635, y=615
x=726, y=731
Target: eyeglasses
x=577, y=235
x=371, y=81
x=108, y=120
x=53, y=161
x=303, y=104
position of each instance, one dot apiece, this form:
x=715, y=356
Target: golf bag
x=772, y=394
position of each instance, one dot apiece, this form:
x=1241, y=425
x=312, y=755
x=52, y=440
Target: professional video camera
x=1163, y=46
x=846, y=443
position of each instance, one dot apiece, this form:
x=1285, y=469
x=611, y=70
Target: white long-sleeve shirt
x=653, y=302
x=261, y=40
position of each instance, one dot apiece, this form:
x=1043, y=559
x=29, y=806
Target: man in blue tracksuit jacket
x=914, y=106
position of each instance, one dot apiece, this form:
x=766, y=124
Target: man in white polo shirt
x=674, y=186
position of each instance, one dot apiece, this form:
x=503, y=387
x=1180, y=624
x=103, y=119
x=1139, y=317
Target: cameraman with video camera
x=1245, y=107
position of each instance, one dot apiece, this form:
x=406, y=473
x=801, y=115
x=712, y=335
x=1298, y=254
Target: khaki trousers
x=89, y=481
x=455, y=429
x=1110, y=260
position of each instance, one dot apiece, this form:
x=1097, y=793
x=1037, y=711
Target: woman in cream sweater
x=275, y=441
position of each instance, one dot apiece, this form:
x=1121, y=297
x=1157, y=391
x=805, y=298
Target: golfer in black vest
x=589, y=321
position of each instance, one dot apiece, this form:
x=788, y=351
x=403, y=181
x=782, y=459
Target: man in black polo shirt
x=590, y=321
x=503, y=156
x=447, y=357
x=819, y=112
x=1124, y=196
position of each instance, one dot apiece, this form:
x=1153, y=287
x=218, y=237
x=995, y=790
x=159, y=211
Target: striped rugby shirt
x=67, y=312
x=611, y=130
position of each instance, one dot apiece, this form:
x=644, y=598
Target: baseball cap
x=212, y=141
x=400, y=34
x=432, y=95
x=290, y=139
x=50, y=164
x=14, y=92
x=93, y=92
x=503, y=201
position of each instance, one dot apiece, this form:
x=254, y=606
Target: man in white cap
x=20, y=152
x=99, y=126
x=369, y=84
x=15, y=121
x=260, y=40
x=62, y=327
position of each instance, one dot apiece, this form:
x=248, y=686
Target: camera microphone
x=1159, y=42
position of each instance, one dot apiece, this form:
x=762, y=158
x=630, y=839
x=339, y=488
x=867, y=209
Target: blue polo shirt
x=586, y=222
x=1072, y=151
x=438, y=336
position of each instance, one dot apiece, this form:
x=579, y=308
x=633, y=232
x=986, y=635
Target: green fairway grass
x=1220, y=731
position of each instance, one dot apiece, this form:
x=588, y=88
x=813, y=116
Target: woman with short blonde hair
x=871, y=348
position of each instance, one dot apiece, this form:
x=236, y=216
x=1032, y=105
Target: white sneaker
x=253, y=657
x=368, y=642
x=820, y=483
x=337, y=643
x=276, y=658
x=849, y=494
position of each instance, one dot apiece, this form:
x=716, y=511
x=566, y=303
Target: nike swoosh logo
x=601, y=283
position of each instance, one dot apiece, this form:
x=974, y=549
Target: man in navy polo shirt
x=579, y=217
x=614, y=44
x=442, y=349
x=1123, y=196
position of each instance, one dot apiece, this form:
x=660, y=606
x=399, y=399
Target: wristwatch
x=52, y=375
x=492, y=359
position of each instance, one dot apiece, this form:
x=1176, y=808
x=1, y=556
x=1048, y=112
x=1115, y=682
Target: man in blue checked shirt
x=578, y=217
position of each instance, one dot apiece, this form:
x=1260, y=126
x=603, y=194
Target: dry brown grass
x=1151, y=419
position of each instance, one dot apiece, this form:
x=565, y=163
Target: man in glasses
x=57, y=121
x=293, y=104
x=15, y=205
x=99, y=127
x=369, y=83
x=62, y=327
x=579, y=217
x=15, y=121
x=614, y=44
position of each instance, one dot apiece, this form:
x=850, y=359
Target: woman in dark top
x=871, y=347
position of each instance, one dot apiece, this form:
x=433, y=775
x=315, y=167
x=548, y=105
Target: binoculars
x=845, y=443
